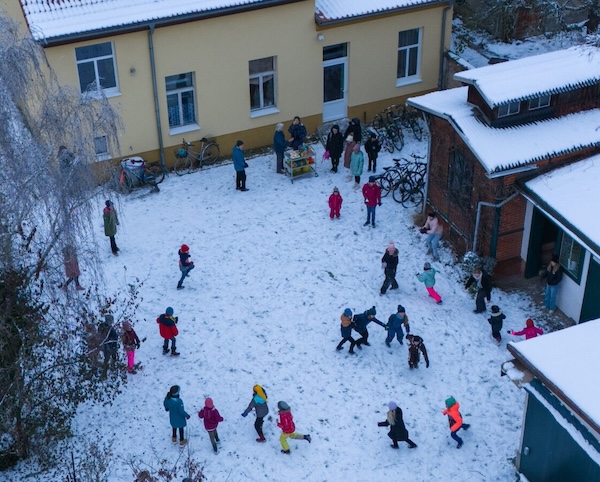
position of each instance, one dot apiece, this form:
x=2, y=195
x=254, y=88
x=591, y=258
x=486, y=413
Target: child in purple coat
x=211, y=417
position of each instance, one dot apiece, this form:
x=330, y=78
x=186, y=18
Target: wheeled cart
x=299, y=163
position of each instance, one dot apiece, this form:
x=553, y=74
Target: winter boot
x=395, y=445
x=174, y=440
x=180, y=286
x=307, y=438
x=411, y=444
x=165, y=351
x=339, y=347
x=174, y=352
x=261, y=439
x=133, y=371
x=183, y=443
x=366, y=224
x=285, y=451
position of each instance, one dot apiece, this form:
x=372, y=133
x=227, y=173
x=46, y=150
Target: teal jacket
x=177, y=414
x=427, y=277
x=357, y=162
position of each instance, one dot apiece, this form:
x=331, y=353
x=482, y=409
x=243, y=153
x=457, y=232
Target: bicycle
x=136, y=172
x=188, y=161
x=409, y=118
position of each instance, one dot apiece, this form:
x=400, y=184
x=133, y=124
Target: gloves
x=188, y=417
x=379, y=204
x=244, y=415
x=137, y=345
x=387, y=327
x=509, y=332
x=381, y=424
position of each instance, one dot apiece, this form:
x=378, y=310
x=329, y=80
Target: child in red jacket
x=286, y=424
x=211, y=417
x=185, y=265
x=372, y=194
x=335, y=203
x=168, y=330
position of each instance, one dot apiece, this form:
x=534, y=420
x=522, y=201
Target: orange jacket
x=454, y=417
x=346, y=320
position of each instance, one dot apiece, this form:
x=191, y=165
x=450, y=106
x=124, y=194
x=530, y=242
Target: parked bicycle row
x=405, y=180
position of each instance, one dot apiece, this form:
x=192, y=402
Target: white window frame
x=539, y=102
x=101, y=154
x=110, y=92
x=183, y=127
x=509, y=109
x=270, y=109
x=416, y=77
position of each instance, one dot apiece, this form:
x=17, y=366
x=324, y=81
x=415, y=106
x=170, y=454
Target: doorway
x=335, y=82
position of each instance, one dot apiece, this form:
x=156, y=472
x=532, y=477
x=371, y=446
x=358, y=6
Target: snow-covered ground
x=273, y=274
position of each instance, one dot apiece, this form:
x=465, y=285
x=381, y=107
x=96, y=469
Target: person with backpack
x=259, y=405
x=415, y=346
x=177, y=414
x=167, y=324
x=211, y=417
x=395, y=421
x=185, y=265
x=394, y=326
x=360, y=325
x=288, y=428
x=496, y=323
x=346, y=329
x=455, y=420
x=428, y=278
x=130, y=342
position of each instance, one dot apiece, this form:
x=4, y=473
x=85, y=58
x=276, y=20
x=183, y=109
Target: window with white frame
x=539, y=102
x=571, y=256
x=181, y=106
x=509, y=109
x=97, y=68
x=101, y=148
x=262, y=83
x=409, y=48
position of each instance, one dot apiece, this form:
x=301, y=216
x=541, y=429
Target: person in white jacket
x=434, y=231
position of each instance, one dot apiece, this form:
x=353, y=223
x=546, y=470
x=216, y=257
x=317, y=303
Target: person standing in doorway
x=111, y=221
x=240, y=165
x=279, y=145
x=553, y=277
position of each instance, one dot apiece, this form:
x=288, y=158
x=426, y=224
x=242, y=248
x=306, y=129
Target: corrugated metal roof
x=530, y=77
x=501, y=149
x=335, y=10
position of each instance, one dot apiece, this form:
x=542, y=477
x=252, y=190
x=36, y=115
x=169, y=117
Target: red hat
x=529, y=323
x=208, y=403
x=185, y=248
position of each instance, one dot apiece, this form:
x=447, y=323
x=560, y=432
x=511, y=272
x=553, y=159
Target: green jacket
x=111, y=221
x=427, y=277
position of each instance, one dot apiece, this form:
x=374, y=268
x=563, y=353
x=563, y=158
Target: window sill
x=408, y=81
x=103, y=157
x=183, y=129
x=263, y=112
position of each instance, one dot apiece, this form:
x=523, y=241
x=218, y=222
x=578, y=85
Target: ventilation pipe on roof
x=480, y=204
x=161, y=147
x=443, y=45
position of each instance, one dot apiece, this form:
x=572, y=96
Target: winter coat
x=177, y=414
x=239, y=163
x=111, y=221
x=71, y=263
x=298, y=133
x=362, y=320
x=372, y=194
x=427, y=277
x=454, y=417
x=390, y=260
x=168, y=328
x=108, y=337
x=335, y=201
x=433, y=226
x=553, y=277
x=130, y=340
x=395, y=323
x=496, y=321
x=395, y=421
x=348, y=153
x=286, y=421
x=279, y=142
x=372, y=147
x=335, y=144
x=259, y=404
x=357, y=163
x=346, y=326
x=355, y=130
x=530, y=331
x=211, y=417
x=184, y=259
x=413, y=350
x=485, y=283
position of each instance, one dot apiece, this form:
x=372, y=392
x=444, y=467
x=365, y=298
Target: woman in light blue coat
x=357, y=162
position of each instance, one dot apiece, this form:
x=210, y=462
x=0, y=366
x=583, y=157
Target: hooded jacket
x=372, y=194
x=427, y=277
x=530, y=330
x=211, y=417
x=286, y=421
x=168, y=328
x=258, y=402
x=335, y=143
x=495, y=320
x=454, y=417
x=177, y=414
x=335, y=201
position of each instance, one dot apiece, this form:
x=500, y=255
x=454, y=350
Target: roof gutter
x=164, y=22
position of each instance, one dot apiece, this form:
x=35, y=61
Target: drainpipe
x=426, y=187
x=161, y=147
x=443, y=45
x=497, y=222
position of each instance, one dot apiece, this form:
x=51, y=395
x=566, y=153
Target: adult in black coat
x=390, y=264
x=395, y=421
x=360, y=325
x=483, y=281
x=335, y=146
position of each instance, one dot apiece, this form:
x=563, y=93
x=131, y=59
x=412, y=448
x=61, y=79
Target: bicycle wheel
x=195, y=163
x=395, y=136
x=402, y=191
x=387, y=144
x=210, y=154
x=182, y=165
x=154, y=175
x=416, y=129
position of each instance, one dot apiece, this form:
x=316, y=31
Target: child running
x=428, y=277
x=288, y=428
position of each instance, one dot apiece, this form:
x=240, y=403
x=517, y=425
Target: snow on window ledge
x=408, y=81
x=263, y=112
x=183, y=129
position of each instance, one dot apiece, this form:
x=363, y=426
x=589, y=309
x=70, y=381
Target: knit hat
x=392, y=406
x=109, y=318
x=372, y=311
x=495, y=309
x=529, y=323
x=185, y=248
x=260, y=391
x=335, y=189
x=372, y=178
x=108, y=203
x=126, y=326
x=348, y=312
x=169, y=311
x=208, y=403
x=356, y=121
x=174, y=390
x=427, y=266
x=450, y=401
x=401, y=309
x=239, y=143
x=335, y=126
x=283, y=406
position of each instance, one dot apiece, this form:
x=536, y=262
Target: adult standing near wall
x=111, y=221
x=240, y=165
x=297, y=132
x=434, y=231
x=553, y=277
x=279, y=145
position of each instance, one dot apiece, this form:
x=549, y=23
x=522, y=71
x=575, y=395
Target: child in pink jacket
x=211, y=417
x=335, y=203
x=530, y=330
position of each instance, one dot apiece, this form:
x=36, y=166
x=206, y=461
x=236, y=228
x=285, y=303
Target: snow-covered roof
x=49, y=19
x=531, y=77
x=568, y=359
x=501, y=149
x=569, y=191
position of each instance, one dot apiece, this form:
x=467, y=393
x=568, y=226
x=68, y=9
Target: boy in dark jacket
x=360, y=325
x=483, y=282
x=395, y=421
x=211, y=417
x=372, y=147
x=346, y=329
x=335, y=146
x=394, y=326
x=389, y=261
x=167, y=324
x=496, y=322
x=185, y=265
x=415, y=345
